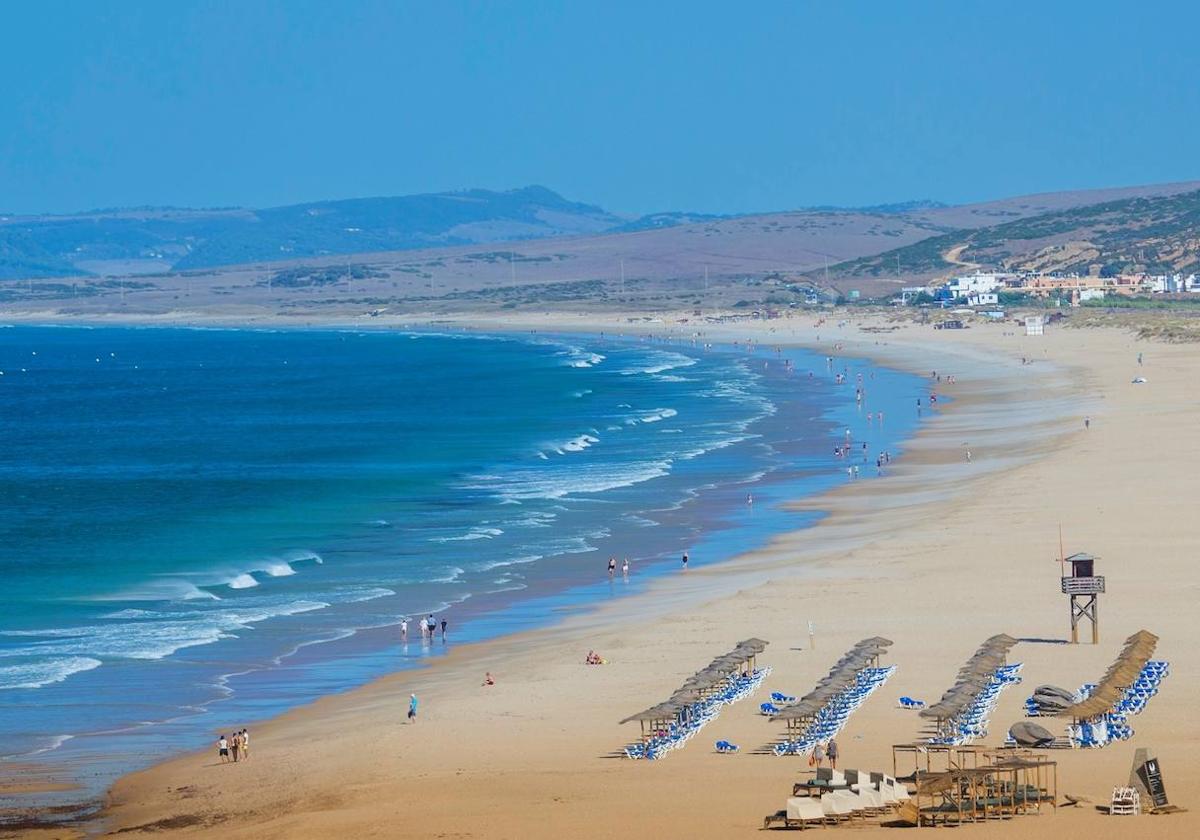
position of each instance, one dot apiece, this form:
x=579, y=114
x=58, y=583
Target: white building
x=983, y=299
x=979, y=282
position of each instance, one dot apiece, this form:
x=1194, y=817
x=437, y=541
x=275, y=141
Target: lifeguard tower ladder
x=1083, y=588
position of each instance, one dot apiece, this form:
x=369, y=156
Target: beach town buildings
x=983, y=288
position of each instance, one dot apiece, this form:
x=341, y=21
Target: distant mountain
x=1156, y=234
x=148, y=240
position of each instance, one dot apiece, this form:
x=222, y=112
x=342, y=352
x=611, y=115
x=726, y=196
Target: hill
x=151, y=240
x=1157, y=234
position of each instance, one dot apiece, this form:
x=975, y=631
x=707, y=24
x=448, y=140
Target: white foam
x=657, y=414
x=660, y=361
x=579, y=443
x=161, y=589
x=512, y=561
x=243, y=581
x=152, y=638
x=477, y=533
x=577, y=357
x=45, y=672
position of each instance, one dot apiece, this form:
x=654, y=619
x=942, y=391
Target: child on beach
x=487, y=679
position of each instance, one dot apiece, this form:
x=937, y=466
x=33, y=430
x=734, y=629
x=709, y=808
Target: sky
x=636, y=106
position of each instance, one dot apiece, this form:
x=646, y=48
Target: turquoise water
x=201, y=528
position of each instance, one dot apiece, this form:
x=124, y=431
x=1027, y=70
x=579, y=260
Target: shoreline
x=721, y=526
x=756, y=579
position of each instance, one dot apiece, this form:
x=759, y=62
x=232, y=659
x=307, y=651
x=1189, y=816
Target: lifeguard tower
x=1083, y=588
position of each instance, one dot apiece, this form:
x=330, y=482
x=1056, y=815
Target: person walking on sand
x=223, y=750
x=831, y=750
x=412, y=708
x=1087, y=422
x=968, y=456
x=235, y=744
x=818, y=756
x=245, y=745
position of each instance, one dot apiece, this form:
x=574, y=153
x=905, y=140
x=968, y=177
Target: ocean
x=202, y=528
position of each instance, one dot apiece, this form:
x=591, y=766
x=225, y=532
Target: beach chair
x=1126, y=802
x=851, y=802
x=782, y=698
x=910, y=703
x=768, y=709
x=801, y=812
x=726, y=747
x=835, y=810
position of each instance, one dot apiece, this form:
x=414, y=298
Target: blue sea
x=202, y=528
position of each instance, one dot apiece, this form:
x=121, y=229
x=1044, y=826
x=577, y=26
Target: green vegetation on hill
x=1158, y=235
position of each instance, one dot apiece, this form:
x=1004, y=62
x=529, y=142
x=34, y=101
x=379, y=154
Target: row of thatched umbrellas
x=702, y=684
x=972, y=678
x=1120, y=675
x=841, y=676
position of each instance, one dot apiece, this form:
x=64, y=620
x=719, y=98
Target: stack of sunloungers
x=727, y=679
x=820, y=715
x=963, y=712
x=836, y=796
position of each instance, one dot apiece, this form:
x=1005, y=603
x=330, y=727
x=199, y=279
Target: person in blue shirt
x=412, y=708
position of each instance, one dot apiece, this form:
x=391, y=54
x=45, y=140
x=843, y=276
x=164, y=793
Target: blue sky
x=717, y=107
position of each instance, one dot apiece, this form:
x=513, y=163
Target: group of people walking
x=429, y=627
x=234, y=748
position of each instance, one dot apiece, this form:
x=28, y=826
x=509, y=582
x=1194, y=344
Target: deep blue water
x=202, y=528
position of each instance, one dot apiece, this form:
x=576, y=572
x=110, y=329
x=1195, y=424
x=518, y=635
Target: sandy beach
x=939, y=556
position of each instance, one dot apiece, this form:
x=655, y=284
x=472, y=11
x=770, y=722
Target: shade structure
x=972, y=678
x=842, y=675
x=694, y=687
x=1116, y=680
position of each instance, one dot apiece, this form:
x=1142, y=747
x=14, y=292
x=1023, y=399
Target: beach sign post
x=1146, y=778
x=1083, y=588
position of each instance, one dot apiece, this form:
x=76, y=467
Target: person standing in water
x=625, y=567
x=444, y=629
x=612, y=566
x=404, y=629
x=685, y=561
